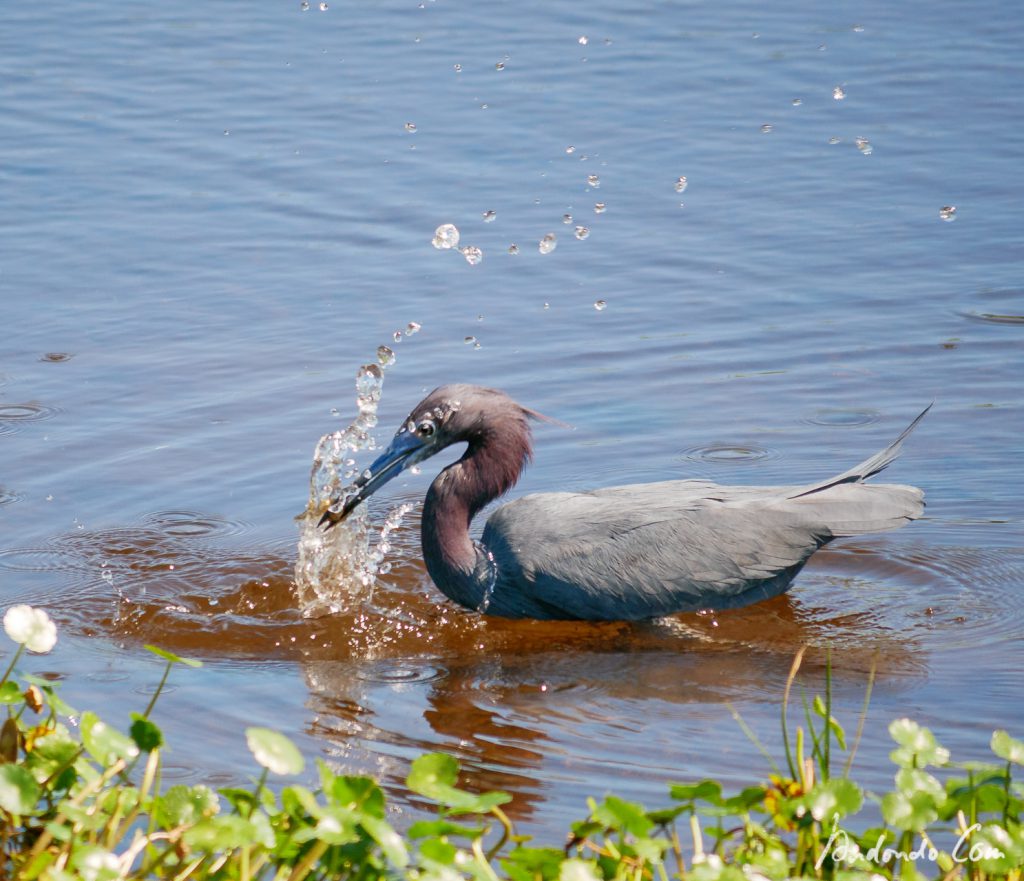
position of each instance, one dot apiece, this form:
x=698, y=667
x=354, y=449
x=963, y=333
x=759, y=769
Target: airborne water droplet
x=472, y=254
x=797, y=102
x=566, y=218
x=582, y=232
x=570, y=149
x=834, y=139
x=599, y=208
x=489, y=216
x=600, y=305
x=385, y=356
x=457, y=68
x=469, y=340
x=513, y=249
x=681, y=184
x=583, y=40
x=838, y=93
x=593, y=181
x=767, y=128
x=864, y=145
x=410, y=127
x=411, y=328
x=446, y=236
x=948, y=213
x=548, y=243
x=500, y=65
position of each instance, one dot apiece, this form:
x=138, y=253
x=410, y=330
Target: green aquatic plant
x=91, y=806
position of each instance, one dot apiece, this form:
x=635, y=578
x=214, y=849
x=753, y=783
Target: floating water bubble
x=489, y=216
x=566, y=218
x=570, y=149
x=593, y=181
x=838, y=93
x=500, y=65
x=864, y=145
x=385, y=357
x=582, y=232
x=446, y=236
x=411, y=328
x=599, y=207
x=600, y=305
x=513, y=249
x=583, y=40
x=948, y=213
x=472, y=254
x=681, y=184
x=767, y=128
x=548, y=243
x=410, y=127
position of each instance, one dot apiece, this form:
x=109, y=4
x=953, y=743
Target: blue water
x=210, y=216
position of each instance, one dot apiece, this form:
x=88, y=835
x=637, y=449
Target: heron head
x=448, y=415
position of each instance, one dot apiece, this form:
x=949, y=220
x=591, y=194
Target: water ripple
x=834, y=417
x=32, y=411
x=730, y=454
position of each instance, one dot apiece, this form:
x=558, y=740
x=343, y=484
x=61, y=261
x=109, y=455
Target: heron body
x=621, y=553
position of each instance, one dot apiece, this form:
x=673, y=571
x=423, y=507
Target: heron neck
x=455, y=562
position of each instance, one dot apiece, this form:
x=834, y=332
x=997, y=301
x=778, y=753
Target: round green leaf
x=146, y=735
x=106, y=744
x=1008, y=748
x=274, y=751
x=834, y=796
x=173, y=658
x=19, y=791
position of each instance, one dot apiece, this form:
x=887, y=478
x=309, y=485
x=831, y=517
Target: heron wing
x=645, y=550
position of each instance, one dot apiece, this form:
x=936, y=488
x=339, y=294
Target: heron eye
x=426, y=428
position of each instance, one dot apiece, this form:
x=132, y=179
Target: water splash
x=492, y=576
x=338, y=567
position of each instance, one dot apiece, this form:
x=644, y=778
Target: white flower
x=31, y=627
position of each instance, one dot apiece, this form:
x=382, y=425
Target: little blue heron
x=621, y=553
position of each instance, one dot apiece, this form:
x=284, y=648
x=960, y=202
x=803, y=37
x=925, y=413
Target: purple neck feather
x=490, y=467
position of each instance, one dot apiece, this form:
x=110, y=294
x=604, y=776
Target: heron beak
x=400, y=454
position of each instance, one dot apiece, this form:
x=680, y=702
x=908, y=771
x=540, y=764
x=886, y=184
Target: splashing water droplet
x=838, y=93
x=681, y=184
x=797, y=102
x=415, y=469
x=858, y=29
x=513, y=249
x=599, y=208
x=864, y=145
x=566, y=218
x=412, y=327
x=582, y=232
x=548, y=243
x=446, y=236
x=457, y=68
x=834, y=139
x=767, y=128
x=547, y=305
x=397, y=336
x=570, y=149
x=583, y=40
x=593, y=181
x=489, y=216
x=472, y=254
x=600, y=305
x=385, y=357
x=323, y=7
x=305, y=6
x=500, y=65
x=410, y=127
x=948, y=213
x=469, y=340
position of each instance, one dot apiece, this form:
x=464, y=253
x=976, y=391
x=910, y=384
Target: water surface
x=212, y=216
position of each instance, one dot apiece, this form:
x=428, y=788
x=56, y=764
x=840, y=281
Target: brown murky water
x=209, y=223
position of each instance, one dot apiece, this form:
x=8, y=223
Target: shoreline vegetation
x=81, y=799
